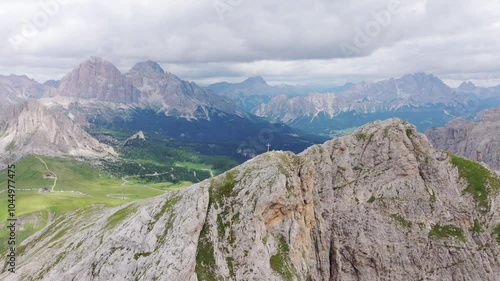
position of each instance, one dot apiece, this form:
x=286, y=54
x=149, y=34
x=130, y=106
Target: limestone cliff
x=381, y=204
x=29, y=128
x=479, y=141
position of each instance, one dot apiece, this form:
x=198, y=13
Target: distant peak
x=52, y=83
x=148, y=67
x=421, y=75
x=94, y=60
x=255, y=80
x=467, y=86
x=95, y=66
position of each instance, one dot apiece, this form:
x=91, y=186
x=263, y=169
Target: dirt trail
x=47, y=168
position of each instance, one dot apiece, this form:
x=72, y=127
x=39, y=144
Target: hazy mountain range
x=421, y=98
x=148, y=98
x=96, y=90
x=255, y=91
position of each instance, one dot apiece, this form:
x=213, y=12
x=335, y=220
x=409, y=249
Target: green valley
x=77, y=185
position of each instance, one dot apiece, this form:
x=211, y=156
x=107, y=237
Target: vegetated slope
x=479, y=141
x=70, y=185
x=381, y=204
x=29, y=128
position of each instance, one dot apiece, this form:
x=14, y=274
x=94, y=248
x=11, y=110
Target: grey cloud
x=283, y=40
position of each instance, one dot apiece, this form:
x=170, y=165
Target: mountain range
x=146, y=86
x=96, y=95
x=420, y=98
x=254, y=91
x=380, y=204
x=96, y=92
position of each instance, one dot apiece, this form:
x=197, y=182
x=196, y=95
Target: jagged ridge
x=29, y=128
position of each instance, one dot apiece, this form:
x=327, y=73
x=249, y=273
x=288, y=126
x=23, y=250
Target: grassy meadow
x=78, y=185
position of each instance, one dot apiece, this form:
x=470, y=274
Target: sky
x=285, y=41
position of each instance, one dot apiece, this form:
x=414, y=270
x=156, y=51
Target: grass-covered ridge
x=480, y=181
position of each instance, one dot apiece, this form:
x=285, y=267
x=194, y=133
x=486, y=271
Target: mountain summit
x=256, y=80
x=148, y=68
x=97, y=79
x=167, y=93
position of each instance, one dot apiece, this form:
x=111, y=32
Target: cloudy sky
x=286, y=41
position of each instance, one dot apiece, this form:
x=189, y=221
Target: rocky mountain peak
x=423, y=79
x=17, y=89
x=256, y=80
x=98, y=66
x=30, y=128
x=98, y=79
x=467, y=86
x=477, y=141
x=148, y=68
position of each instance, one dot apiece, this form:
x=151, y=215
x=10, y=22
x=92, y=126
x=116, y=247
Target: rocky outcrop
x=29, y=128
x=479, y=141
x=97, y=79
x=282, y=108
x=167, y=93
x=381, y=204
x=16, y=89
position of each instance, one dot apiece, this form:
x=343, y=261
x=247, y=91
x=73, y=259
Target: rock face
x=381, y=204
x=97, y=89
x=17, y=89
x=479, y=141
x=97, y=79
x=167, y=93
x=415, y=90
x=29, y=128
x=285, y=109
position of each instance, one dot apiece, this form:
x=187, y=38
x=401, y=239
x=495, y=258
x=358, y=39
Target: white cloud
x=283, y=40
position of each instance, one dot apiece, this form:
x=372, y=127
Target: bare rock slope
x=17, y=89
x=477, y=141
x=29, y=128
x=381, y=204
